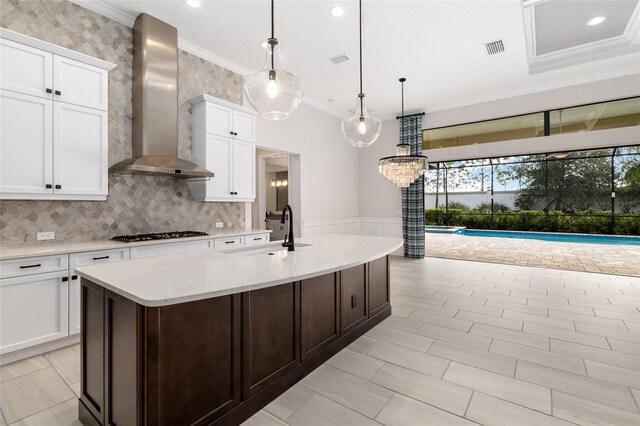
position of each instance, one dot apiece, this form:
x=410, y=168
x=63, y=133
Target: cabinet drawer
x=251, y=240
x=77, y=260
x=228, y=243
x=33, y=265
x=158, y=250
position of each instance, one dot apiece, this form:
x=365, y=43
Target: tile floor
x=605, y=258
x=468, y=343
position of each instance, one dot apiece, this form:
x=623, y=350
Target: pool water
x=549, y=236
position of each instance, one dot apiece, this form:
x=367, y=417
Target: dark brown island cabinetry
x=218, y=360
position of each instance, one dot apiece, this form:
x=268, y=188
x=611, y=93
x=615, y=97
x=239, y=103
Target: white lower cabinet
x=228, y=243
x=40, y=297
x=171, y=248
x=33, y=310
x=253, y=240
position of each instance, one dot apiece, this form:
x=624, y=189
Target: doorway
x=276, y=187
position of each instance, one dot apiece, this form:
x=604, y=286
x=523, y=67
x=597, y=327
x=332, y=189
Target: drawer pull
x=257, y=239
x=229, y=242
x=74, y=277
x=37, y=265
x=65, y=279
x=58, y=92
x=48, y=90
x=354, y=301
x=101, y=258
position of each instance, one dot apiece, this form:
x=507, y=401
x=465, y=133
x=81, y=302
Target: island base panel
x=219, y=360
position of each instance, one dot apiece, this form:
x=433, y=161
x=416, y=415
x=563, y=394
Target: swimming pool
x=549, y=236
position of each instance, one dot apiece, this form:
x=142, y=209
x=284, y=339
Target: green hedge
x=535, y=220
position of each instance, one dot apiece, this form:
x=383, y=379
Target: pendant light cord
x=273, y=46
x=361, y=95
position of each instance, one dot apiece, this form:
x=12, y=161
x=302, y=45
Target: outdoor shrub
x=458, y=205
x=486, y=207
x=536, y=220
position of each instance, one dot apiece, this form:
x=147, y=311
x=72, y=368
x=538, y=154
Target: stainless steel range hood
x=155, y=104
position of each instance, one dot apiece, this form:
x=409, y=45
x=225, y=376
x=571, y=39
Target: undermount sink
x=270, y=249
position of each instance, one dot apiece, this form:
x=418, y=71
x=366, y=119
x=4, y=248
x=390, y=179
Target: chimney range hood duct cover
x=155, y=104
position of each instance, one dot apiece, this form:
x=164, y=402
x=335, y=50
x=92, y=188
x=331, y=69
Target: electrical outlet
x=219, y=224
x=41, y=236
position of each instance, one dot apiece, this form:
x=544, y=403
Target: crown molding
x=126, y=19
x=107, y=10
x=588, y=52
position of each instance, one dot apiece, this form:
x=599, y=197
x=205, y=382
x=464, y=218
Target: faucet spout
x=288, y=239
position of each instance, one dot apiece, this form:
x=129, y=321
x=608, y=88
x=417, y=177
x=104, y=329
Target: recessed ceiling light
x=337, y=11
x=596, y=21
x=193, y=3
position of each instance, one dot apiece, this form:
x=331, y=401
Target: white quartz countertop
x=185, y=277
x=52, y=248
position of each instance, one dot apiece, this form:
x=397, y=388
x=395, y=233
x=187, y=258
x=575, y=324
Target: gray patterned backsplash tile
x=135, y=204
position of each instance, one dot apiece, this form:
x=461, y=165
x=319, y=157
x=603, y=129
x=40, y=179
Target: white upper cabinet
x=244, y=126
x=244, y=165
x=79, y=148
x=226, y=119
x=53, y=121
x=80, y=84
x=223, y=136
x=25, y=69
x=218, y=157
x=26, y=148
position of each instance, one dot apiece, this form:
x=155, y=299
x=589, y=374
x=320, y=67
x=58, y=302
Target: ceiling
x=437, y=45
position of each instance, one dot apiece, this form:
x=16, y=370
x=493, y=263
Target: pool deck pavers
x=601, y=258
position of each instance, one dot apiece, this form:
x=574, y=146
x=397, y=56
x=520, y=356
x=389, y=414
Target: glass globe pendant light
x=403, y=168
x=273, y=92
x=361, y=129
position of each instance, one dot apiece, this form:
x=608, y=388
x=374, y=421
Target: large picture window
x=583, y=118
x=595, y=191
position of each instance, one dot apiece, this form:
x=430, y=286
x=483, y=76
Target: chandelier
x=403, y=168
x=273, y=92
x=361, y=129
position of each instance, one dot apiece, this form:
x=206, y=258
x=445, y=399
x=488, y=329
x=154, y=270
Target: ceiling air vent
x=339, y=59
x=494, y=47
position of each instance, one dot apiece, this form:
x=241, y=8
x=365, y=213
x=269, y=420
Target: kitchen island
x=205, y=337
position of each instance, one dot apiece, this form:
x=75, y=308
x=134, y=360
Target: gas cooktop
x=158, y=236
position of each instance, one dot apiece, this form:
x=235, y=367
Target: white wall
x=378, y=196
x=329, y=174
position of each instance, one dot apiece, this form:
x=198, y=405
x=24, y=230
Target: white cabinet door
x=25, y=144
x=80, y=146
x=219, y=120
x=33, y=310
x=243, y=126
x=79, y=84
x=25, y=69
x=219, y=161
x=244, y=166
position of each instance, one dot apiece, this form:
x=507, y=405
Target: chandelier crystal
x=273, y=92
x=403, y=168
x=361, y=129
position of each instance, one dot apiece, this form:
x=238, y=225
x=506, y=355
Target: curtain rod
x=398, y=117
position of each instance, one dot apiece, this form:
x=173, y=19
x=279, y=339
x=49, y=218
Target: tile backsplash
x=135, y=204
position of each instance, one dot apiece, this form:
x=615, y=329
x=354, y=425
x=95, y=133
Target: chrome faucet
x=288, y=238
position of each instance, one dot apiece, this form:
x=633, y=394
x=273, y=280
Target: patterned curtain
x=413, y=197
